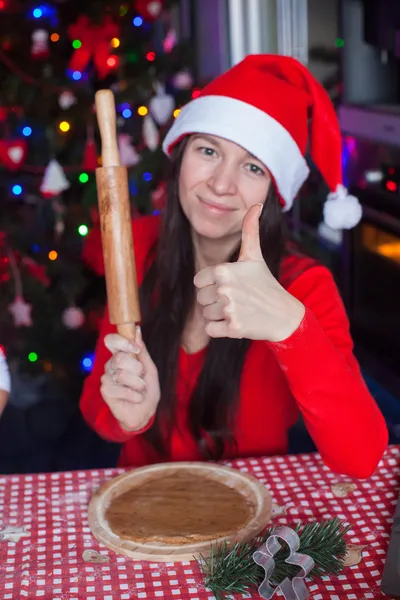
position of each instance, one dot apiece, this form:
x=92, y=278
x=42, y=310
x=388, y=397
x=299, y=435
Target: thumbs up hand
x=243, y=299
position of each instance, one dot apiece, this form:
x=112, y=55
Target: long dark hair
x=167, y=298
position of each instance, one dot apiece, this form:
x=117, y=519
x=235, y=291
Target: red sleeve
x=317, y=359
x=94, y=410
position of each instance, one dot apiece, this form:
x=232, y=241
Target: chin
x=212, y=230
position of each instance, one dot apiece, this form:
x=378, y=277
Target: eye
x=254, y=169
x=207, y=151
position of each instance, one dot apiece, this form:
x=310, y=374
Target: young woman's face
x=218, y=183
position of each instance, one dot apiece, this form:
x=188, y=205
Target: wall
x=323, y=29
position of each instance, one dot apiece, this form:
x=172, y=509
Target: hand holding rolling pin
x=130, y=385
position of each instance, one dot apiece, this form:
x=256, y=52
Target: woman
x=238, y=334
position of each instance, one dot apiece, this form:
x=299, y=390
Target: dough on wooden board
x=179, y=508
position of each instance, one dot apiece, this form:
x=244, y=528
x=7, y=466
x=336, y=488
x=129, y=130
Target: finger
x=204, y=277
x=214, y=312
x=219, y=329
x=121, y=377
x=251, y=246
x=126, y=362
x=144, y=355
x=207, y=295
x=112, y=393
x=117, y=343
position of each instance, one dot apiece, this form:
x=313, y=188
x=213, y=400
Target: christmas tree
x=54, y=56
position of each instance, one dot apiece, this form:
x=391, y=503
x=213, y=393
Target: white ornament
x=16, y=154
x=161, y=105
x=5, y=380
x=54, y=181
x=154, y=8
x=40, y=43
x=66, y=99
x=73, y=317
x=13, y=534
x=128, y=155
x=59, y=227
x=342, y=211
x=21, y=312
x=151, y=135
x=183, y=80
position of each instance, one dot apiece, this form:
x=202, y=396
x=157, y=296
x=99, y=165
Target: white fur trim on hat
x=5, y=381
x=342, y=211
x=251, y=128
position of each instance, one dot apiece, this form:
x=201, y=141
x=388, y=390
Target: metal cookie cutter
x=292, y=589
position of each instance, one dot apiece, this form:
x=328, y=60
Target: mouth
x=217, y=209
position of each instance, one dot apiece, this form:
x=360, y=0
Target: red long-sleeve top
x=313, y=371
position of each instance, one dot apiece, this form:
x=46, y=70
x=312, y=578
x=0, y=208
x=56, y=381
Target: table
x=47, y=561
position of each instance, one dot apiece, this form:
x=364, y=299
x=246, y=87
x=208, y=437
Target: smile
x=217, y=209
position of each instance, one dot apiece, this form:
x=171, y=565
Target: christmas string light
x=142, y=111
x=83, y=230
x=17, y=189
x=87, y=362
x=112, y=61
x=64, y=126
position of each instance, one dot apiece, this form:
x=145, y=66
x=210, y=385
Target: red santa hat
x=273, y=107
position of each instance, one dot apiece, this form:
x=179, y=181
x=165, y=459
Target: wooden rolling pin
x=116, y=223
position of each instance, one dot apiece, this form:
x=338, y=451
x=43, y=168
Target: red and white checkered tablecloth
x=47, y=563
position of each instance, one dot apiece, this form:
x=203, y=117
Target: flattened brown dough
x=181, y=508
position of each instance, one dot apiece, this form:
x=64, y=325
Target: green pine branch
x=229, y=571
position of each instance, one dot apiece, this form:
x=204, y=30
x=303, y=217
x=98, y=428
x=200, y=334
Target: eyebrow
x=212, y=140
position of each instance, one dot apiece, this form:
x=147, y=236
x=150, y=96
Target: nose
x=223, y=179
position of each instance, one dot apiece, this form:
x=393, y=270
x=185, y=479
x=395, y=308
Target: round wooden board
x=254, y=491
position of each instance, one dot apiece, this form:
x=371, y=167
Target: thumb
x=144, y=355
x=251, y=248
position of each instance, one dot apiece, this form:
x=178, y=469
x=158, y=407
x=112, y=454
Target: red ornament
x=94, y=216
x=36, y=270
x=13, y=153
x=92, y=254
x=159, y=196
x=96, y=43
x=150, y=10
x=90, y=156
x=94, y=319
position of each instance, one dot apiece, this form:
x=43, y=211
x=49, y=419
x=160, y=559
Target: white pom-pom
x=73, y=318
x=342, y=211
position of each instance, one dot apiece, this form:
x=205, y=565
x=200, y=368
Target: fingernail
x=133, y=348
x=261, y=208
